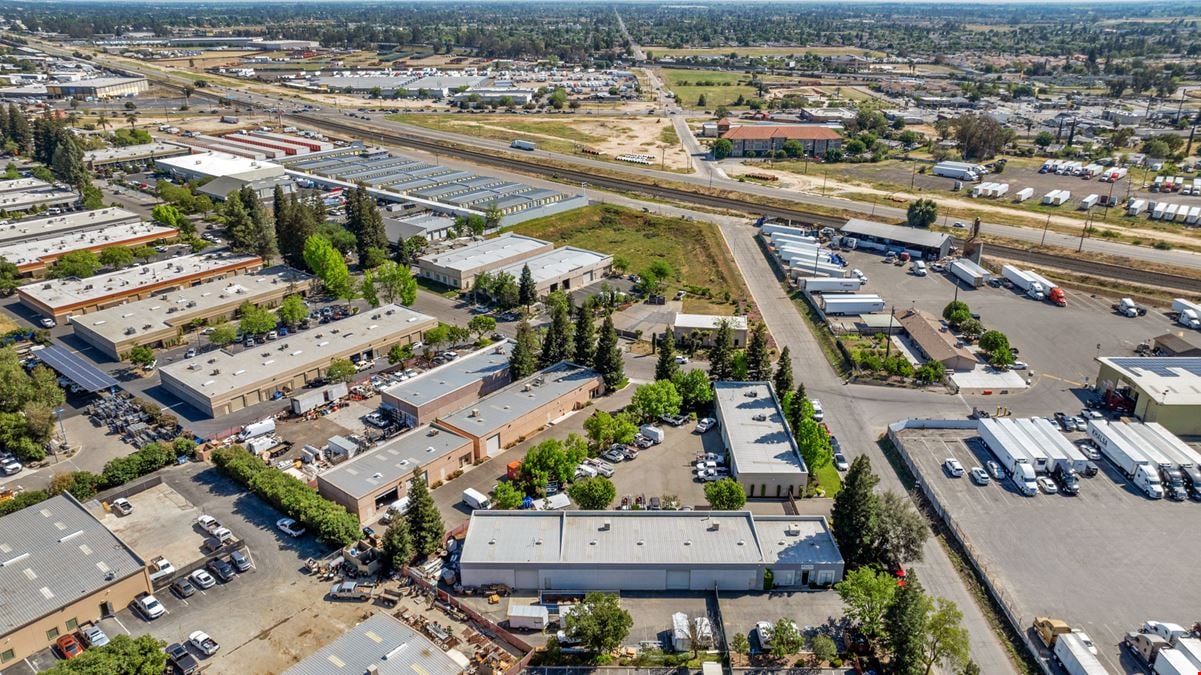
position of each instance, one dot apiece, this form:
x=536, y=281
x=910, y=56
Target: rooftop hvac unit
x=760, y=418
x=752, y=394
x=792, y=530
x=715, y=526
x=606, y=525
x=475, y=412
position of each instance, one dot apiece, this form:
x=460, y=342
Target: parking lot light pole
x=58, y=415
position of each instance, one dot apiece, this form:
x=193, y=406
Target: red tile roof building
x=754, y=140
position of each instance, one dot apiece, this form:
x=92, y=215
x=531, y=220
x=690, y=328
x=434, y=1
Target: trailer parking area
x=1105, y=560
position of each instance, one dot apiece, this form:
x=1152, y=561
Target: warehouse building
x=58, y=298
x=758, y=140
x=647, y=551
x=1171, y=344
x=223, y=382
x=132, y=156
x=370, y=482
x=33, y=256
x=763, y=455
x=227, y=173
x=449, y=387
x=1166, y=390
x=98, y=88
x=45, y=196
x=382, y=645
x=881, y=237
x=523, y=408
x=458, y=267
x=56, y=226
x=563, y=269
x=163, y=320
x=702, y=327
x=429, y=225
x=935, y=342
x=62, y=569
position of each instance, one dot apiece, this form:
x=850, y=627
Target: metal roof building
x=458, y=267
x=61, y=568
x=383, y=645
x=564, y=268
x=57, y=226
x=647, y=550
x=1166, y=390
x=927, y=244
x=133, y=153
x=33, y=256
x=764, y=457
x=450, y=386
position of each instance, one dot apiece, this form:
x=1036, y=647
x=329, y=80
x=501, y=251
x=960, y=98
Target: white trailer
x=781, y=238
x=821, y=269
x=1002, y=190
x=1158, y=209
x=528, y=617
x=1190, y=647
x=789, y=254
x=680, y=640
x=1182, y=213
x=1062, y=198
x=1169, y=213
x=847, y=285
x=1073, y=655
x=1025, y=281
x=1039, y=459
x=1089, y=202
x=1136, y=207
x=979, y=190
x=1050, y=197
x=1126, y=457
x=844, y=304
x=971, y=273
x=959, y=171
x=1023, y=194
x=1064, y=450
x=1048, y=285
x=1172, y=662
x=1011, y=455
x=1188, y=313
x=772, y=228
x=1194, y=215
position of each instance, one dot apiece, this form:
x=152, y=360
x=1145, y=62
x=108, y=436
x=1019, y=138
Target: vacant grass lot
x=721, y=87
x=555, y=136
x=696, y=251
x=758, y=51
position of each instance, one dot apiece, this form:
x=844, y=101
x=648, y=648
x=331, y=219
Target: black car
x=239, y=561
x=184, y=662
x=183, y=587
x=221, y=569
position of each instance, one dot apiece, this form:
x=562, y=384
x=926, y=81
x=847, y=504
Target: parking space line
x=118, y=620
x=250, y=557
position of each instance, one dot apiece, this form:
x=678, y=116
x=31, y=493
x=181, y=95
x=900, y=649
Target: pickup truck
x=350, y=590
x=184, y=661
x=208, y=524
x=160, y=568
x=203, y=643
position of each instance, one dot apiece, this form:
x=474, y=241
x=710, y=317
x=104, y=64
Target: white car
x=681, y=359
x=953, y=467
x=202, y=579
x=1047, y=485
x=705, y=424
x=840, y=462
x=290, y=527
x=1019, y=365
x=979, y=476
x=46, y=322
x=818, y=413
x=149, y=607
x=11, y=468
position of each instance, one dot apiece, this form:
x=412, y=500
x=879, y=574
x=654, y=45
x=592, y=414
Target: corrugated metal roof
x=902, y=235
x=381, y=641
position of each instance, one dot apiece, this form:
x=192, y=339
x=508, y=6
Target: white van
x=476, y=500
x=818, y=413
x=919, y=269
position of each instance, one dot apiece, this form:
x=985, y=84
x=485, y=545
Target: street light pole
x=58, y=414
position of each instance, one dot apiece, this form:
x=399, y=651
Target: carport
x=71, y=366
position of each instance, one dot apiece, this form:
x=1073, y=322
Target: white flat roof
x=142, y=150
x=557, y=264
x=63, y=292
x=452, y=376
x=178, y=307
x=22, y=184
x=24, y=253
x=488, y=251
x=215, y=164
x=19, y=200
x=216, y=373
x=395, y=459
x=36, y=228
x=760, y=441
x=708, y=321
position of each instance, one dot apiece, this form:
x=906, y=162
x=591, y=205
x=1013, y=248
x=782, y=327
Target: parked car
x=705, y=424
x=681, y=359
x=221, y=569
x=203, y=643
x=149, y=607
x=979, y=476
x=68, y=646
x=1047, y=485
x=674, y=420
x=290, y=527
x=952, y=467
x=613, y=455
x=183, y=587
x=994, y=470
x=376, y=420
x=184, y=662
x=11, y=468
x=190, y=353
x=93, y=636
x=642, y=442
x=202, y=579
x=840, y=462
x=240, y=561
x=122, y=507
x=46, y=322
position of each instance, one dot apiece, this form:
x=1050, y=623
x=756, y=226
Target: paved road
x=635, y=49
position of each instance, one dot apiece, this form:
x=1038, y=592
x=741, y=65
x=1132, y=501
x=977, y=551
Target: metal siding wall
x=725, y=579
x=478, y=576
x=632, y=579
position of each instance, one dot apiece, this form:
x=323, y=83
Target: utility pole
x=1045, y=226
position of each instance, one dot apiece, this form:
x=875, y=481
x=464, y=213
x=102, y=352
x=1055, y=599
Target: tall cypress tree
x=527, y=291
x=607, y=360
x=584, y=334
x=666, y=367
x=18, y=129
x=425, y=523
x=556, y=344
x=523, y=360
x=783, y=377
x=364, y=220
x=853, y=516
x=758, y=360
x=721, y=354
x=907, y=625
x=294, y=224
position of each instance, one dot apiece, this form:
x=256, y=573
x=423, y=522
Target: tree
x=980, y=136
x=593, y=494
x=666, y=366
x=481, y=324
x=700, y=101
x=722, y=148
x=116, y=257
x=556, y=344
x=599, y=622
x=68, y=163
x=947, y=641
x=930, y=371
x=141, y=355
x=389, y=283
x=363, y=219
x=255, y=320
x=907, y=627
x=726, y=494
x=527, y=291
x=10, y=275
x=900, y=531
x=739, y=644
x=853, y=516
x=786, y=639
x=782, y=380
x=507, y=497
x=655, y=399
x=824, y=648
x=971, y=328
x=79, y=263
x=758, y=358
x=1156, y=148
x=328, y=264
x=584, y=335
x=505, y=291
x=1044, y=138
x=123, y=654
x=144, y=253
x=553, y=459
x=694, y=388
x=953, y=307
x=400, y=354
x=248, y=224
x=223, y=335
x=425, y=522
x=295, y=222
x=993, y=341
x=340, y=370
x=608, y=361
x=171, y=216
x=293, y=310
x=921, y=213
x=523, y=360
x=398, y=544
x=867, y=593
x=721, y=353
x=604, y=429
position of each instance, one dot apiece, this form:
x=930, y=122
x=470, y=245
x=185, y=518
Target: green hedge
x=329, y=521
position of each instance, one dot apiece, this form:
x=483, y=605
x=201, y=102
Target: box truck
x=528, y=617
x=1011, y=455
x=1186, y=313
x=476, y=500
x=1126, y=457
x=1074, y=656
x=1023, y=281
x=969, y=272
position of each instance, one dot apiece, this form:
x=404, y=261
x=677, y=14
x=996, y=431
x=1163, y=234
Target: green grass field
x=549, y=135
x=721, y=87
x=757, y=51
x=830, y=480
x=696, y=251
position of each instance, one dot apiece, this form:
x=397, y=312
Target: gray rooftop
x=793, y=540
x=22, y=184
x=37, y=228
x=453, y=376
x=98, y=82
x=393, y=460
x=179, y=307
x=501, y=408
x=20, y=200
x=905, y=235
x=54, y=554
x=473, y=256
x=216, y=373
x=381, y=641
x=26, y=252
x=760, y=441
x=557, y=263
x=134, y=152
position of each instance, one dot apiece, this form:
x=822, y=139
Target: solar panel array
x=1163, y=367
x=77, y=370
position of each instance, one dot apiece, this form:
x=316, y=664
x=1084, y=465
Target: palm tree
x=132, y=118
x=73, y=118
x=102, y=120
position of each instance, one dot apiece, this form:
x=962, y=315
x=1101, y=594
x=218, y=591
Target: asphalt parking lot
x=1084, y=559
x=666, y=469
x=811, y=610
